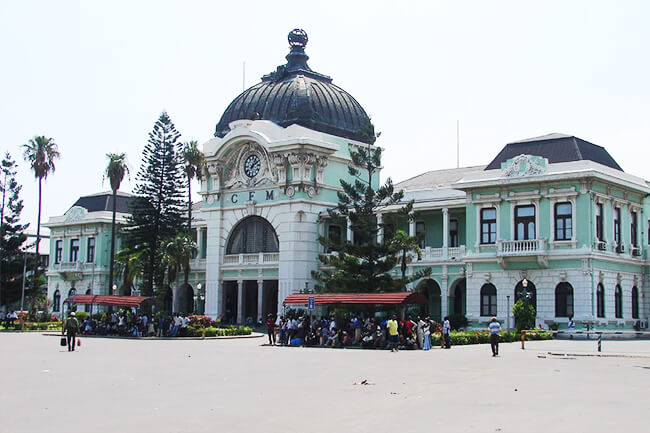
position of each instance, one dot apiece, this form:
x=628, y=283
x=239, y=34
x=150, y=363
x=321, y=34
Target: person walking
x=270, y=328
x=495, y=328
x=393, y=334
x=71, y=329
x=446, y=331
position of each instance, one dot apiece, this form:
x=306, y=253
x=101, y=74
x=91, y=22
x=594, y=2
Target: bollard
x=523, y=338
x=599, y=337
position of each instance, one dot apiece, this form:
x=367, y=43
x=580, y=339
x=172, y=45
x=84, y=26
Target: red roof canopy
x=119, y=301
x=357, y=298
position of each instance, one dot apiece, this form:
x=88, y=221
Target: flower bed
x=34, y=326
x=461, y=338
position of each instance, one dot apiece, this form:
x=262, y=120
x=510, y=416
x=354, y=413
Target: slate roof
x=556, y=148
x=295, y=94
x=104, y=202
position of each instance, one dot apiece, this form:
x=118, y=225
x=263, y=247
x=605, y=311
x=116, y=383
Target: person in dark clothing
x=270, y=327
x=71, y=329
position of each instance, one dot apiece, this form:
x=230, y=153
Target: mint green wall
x=585, y=214
x=471, y=217
x=504, y=220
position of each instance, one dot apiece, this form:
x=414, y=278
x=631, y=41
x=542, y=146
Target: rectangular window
x=563, y=222
x=58, y=252
x=334, y=235
x=633, y=227
x=90, y=256
x=488, y=225
x=599, y=222
x=204, y=243
x=74, y=250
x=524, y=222
x=617, y=226
x=453, y=233
x=420, y=233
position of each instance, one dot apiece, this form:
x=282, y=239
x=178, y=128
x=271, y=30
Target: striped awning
x=356, y=298
x=118, y=301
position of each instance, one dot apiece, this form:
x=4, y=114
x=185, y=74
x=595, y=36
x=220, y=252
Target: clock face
x=252, y=165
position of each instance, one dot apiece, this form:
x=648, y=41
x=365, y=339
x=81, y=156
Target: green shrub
x=81, y=316
x=524, y=314
x=462, y=338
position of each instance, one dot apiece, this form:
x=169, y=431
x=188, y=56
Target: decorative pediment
x=524, y=165
x=76, y=213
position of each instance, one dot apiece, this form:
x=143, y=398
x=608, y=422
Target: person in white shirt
x=495, y=328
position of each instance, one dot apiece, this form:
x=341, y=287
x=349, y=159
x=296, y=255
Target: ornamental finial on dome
x=298, y=38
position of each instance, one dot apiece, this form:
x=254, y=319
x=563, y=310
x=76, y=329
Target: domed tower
x=273, y=169
x=294, y=94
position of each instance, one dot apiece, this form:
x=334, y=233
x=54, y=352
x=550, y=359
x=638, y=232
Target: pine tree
x=157, y=210
x=364, y=265
x=12, y=235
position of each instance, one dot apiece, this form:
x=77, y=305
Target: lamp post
x=199, y=297
x=508, y=313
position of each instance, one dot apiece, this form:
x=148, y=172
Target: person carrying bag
x=71, y=329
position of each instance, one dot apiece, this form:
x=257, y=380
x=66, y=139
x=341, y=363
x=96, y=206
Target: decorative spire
x=297, y=59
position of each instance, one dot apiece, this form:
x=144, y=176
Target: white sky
x=96, y=75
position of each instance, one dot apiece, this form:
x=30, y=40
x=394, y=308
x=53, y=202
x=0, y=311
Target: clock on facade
x=252, y=166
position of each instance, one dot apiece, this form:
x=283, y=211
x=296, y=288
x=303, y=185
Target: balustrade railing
x=521, y=247
x=251, y=259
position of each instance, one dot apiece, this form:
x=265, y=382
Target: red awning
x=118, y=301
x=357, y=298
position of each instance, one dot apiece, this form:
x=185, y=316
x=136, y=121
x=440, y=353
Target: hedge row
x=223, y=331
x=461, y=338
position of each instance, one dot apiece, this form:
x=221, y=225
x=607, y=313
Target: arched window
x=618, y=302
x=531, y=292
x=72, y=292
x=252, y=235
x=564, y=300
x=635, y=303
x=56, y=301
x=488, y=300
x=600, y=300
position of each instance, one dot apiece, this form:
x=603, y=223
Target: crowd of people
x=367, y=332
x=128, y=324
x=8, y=319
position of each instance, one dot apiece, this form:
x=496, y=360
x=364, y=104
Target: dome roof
x=293, y=93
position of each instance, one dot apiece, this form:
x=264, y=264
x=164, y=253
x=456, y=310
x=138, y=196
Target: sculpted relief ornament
x=249, y=167
x=524, y=165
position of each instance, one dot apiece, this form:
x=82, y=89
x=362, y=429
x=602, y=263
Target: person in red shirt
x=270, y=327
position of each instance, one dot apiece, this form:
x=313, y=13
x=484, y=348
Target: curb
x=114, y=337
x=598, y=355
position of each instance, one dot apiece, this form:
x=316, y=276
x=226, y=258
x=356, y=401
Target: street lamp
x=524, y=293
x=198, y=297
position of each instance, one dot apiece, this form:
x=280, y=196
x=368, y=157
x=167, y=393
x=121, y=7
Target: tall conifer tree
x=12, y=235
x=157, y=210
x=364, y=265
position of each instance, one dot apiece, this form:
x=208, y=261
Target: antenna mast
x=457, y=143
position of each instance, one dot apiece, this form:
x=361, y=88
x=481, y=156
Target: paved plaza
x=238, y=385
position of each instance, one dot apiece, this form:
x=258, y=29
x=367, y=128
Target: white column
x=412, y=226
x=240, y=302
x=380, y=233
x=350, y=232
x=260, y=298
x=445, y=227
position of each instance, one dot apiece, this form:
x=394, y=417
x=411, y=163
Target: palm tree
x=402, y=245
x=115, y=170
x=129, y=264
x=194, y=166
x=40, y=152
x=176, y=256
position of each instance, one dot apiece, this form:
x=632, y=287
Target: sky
x=95, y=76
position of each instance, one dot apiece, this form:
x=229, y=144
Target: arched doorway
x=431, y=290
x=186, y=299
x=531, y=292
x=168, y=300
x=458, y=297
